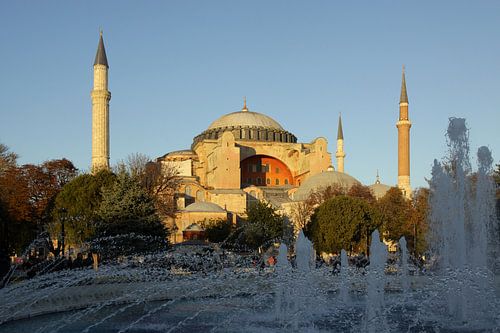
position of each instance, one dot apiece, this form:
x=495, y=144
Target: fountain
x=404, y=265
x=177, y=291
x=375, y=319
x=344, y=282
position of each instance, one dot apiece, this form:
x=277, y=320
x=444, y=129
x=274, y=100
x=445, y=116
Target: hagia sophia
x=242, y=157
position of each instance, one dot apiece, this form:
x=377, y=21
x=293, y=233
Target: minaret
x=100, y=110
x=340, y=147
x=403, y=126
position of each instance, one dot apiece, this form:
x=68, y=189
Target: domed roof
x=204, y=207
x=244, y=119
x=379, y=189
x=194, y=227
x=322, y=180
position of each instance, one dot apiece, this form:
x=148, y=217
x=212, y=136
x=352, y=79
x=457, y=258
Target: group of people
x=35, y=265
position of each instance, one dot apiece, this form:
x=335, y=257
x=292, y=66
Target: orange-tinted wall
x=270, y=171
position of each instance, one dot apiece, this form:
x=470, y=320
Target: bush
x=217, y=231
x=342, y=222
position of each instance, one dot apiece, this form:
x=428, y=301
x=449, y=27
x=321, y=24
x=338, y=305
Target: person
x=88, y=261
x=271, y=260
x=78, y=263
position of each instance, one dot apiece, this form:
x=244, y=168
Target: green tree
x=217, y=231
x=128, y=219
x=342, y=222
x=78, y=204
x=263, y=225
x=395, y=211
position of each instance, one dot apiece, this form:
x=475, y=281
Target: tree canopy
x=263, y=225
x=78, y=203
x=128, y=222
x=342, y=222
x=8, y=159
x=28, y=194
x=395, y=210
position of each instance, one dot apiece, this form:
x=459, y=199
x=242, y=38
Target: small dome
x=322, y=180
x=245, y=119
x=379, y=190
x=204, y=207
x=194, y=227
x=182, y=154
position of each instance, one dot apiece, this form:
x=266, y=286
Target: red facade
x=261, y=170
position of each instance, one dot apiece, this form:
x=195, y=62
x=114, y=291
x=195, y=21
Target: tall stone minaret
x=100, y=110
x=340, y=147
x=403, y=126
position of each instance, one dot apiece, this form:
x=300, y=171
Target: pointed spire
x=404, y=96
x=340, y=133
x=378, y=179
x=100, y=56
x=244, y=104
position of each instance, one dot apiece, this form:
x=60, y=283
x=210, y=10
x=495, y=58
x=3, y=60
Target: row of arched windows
x=190, y=197
x=259, y=181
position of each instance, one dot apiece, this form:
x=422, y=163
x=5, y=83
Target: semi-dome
x=245, y=119
x=204, y=207
x=323, y=180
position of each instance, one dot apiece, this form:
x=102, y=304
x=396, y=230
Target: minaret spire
x=340, y=154
x=340, y=133
x=403, y=125
x=100, y=110
x=404, y=96
x=100, y=56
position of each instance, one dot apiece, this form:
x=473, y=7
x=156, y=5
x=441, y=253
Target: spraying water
x=374, y=319
x=405, y=283
x=344, y=283
x=462, y=209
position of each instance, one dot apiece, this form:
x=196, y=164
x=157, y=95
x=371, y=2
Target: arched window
x=199, y=196
x=286, y=181
x=277, y=181
x=188, y=197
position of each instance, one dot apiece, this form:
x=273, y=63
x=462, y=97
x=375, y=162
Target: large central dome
x=245, y=119
x=246, y=126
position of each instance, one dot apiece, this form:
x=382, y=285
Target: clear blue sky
x=175, y=66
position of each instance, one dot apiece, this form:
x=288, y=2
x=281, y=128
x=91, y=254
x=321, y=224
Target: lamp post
x=62, y=213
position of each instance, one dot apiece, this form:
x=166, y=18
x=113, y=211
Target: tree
x=362, y=192
x=28, y=193
x=395, y=210
x=159, y=180
x=416, y=231
x=128, y=221
x=80, y=200
x=217, y=231
x=342, y=222
x=496, y=176
x=263, y=225
x=8, y=159
x=301, y=212
x=321, y=195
